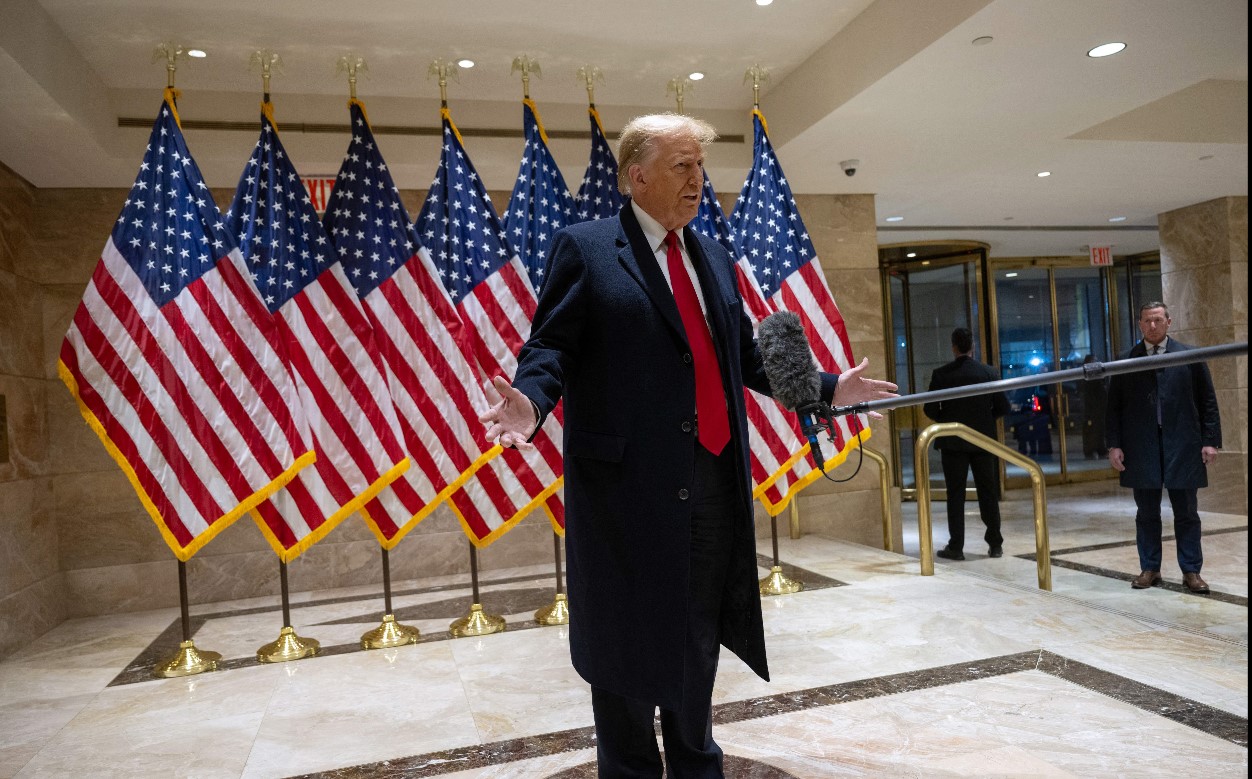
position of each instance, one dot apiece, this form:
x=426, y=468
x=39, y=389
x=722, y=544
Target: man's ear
x=635, y=174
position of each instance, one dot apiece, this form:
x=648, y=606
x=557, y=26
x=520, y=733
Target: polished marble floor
x=877, y=672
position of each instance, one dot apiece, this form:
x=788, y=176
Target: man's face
x=668, y=186
x=1154, y=323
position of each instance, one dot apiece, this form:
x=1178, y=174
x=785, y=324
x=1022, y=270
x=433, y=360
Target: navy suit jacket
x=608, y=339
x=1170, y=457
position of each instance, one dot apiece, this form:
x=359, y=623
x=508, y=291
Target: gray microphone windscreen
x=788, y=362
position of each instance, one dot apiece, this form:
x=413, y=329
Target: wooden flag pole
x=390, y=633
x=477, y=622
x=557, y=612
x=289, y=646
x=188, y=660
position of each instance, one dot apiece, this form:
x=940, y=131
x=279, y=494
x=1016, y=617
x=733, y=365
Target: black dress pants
x=625, y=739
x=956, y=467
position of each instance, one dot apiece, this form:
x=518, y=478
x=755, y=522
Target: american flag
x=329, y=346
x=774, y=432
x=777, y=253
x=489, y=287
x=598, y=197
x=174, y=361
x=420, y=337
x=540, y=204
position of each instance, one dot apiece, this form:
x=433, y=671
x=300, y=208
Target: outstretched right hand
x=1117, y=459
x=511, y=420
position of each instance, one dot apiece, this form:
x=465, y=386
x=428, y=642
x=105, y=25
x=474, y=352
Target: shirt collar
x=1164, y=344
x=653, y=231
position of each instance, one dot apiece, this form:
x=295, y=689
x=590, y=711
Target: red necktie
x=712, y=424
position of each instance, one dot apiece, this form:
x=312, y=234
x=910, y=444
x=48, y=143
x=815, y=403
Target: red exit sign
x=1101, y=255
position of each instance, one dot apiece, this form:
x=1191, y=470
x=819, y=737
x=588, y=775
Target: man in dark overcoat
x=1163, y=430
x=958, y=456
x=640, y=329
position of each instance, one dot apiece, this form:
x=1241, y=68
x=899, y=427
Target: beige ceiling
x=950, y=135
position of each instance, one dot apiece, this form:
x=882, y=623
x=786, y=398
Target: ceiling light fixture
x=982, y=40
x=465, y=63
x=1012, y=275
x=911, y=254
x=197, y=53
x=695, y=76
x=894, y=219
x=1043, y=174
x=1106, y=49
x=1117, y=219
x=764, y=2
x=925, y=262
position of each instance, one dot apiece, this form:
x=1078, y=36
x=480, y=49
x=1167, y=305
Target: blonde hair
x=637, y=143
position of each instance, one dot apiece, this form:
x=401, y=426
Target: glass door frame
x=1051, y=264
x=944, y=253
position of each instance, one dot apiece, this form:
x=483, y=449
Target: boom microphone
x=792, y=375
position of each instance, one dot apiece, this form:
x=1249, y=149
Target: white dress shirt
x=655, y=234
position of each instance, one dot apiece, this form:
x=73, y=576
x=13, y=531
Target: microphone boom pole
x=1092, y=371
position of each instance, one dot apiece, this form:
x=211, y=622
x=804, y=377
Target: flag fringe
x=183, y=553
x=286, y=555
x=774, y=509
x=487, y=540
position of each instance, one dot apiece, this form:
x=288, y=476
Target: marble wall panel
x=31, y=612
x=59, y=302
x=848, y=516
x=26, y=428
x=28, y=542
x=1199, y=298
x=68, y=232
x=73, y=446
x=17, y=200
x=21, y=343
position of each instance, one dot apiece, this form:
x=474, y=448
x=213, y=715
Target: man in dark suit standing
x=958, y=456
x=640, y=329
x=1163, y=430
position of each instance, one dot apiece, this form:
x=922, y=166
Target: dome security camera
x=850, y=166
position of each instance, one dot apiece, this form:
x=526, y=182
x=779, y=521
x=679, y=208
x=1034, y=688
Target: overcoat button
x=686, y=427
x=683, y=494
x=687, y=358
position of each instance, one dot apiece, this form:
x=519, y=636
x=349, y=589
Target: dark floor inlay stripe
x=1185, y=711
x=1108, y=573
x=502, y=600
x=1215, y=722
x=1124, y=544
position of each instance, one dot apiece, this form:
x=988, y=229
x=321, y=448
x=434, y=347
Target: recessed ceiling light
x=1012, y=275
x=911, y=254
x=1117, y=219
x=1105, y=49
x=764, y=2
x=695, y=76
x=925, y=262
x=1206, y=157
x=894, y=219
x=197, y=53
x=982, y=40
x=1043, y=174
x=465, y=63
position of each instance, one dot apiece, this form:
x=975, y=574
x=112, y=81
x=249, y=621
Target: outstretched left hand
x=854, y=388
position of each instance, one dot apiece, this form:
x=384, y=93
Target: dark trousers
x=625, y=740
x=1186, y=529
x=956, y=467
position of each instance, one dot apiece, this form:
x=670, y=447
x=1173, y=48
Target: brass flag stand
x=477, y=622
x=289, y=646
x=390, y=633
x=188, y=660
x=557, y=612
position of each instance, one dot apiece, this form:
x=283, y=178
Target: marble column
x=31, y=594
x=1204, y=279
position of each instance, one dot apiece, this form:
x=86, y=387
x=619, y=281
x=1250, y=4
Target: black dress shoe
x=948, y=553
x=995, y=551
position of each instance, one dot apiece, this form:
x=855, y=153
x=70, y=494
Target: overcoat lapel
x=637, y=257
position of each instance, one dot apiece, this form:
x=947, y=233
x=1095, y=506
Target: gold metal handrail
x=921, y=466
x=884, y=487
